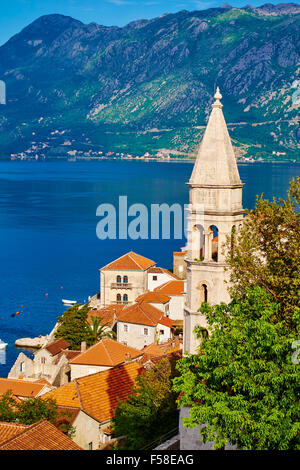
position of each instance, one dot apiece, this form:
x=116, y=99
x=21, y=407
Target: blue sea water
x=48, y=242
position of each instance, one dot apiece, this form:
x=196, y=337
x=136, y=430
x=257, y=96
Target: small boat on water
x=69, y=302
x=2, y=345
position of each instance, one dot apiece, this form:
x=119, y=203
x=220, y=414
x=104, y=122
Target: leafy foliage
x=266, y=252
x=32, y=410
x=73, y=326
x=7, y=407
x=98, y=330
x=151, y=410
x=243, y=383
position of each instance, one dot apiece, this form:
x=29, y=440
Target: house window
x=154, y=278
x=125, y=279
x=43, y=360
x=119, y=298
x=126, y=328
x=125, y=343
x=125, y=298
x=22, y=366
x=90, y=446
x=161, y=332
x=146, y=331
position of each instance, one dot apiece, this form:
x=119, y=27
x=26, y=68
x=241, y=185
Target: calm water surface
x=48, y=230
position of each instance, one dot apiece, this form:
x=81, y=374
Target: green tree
x=73, y=326
x=31, y=410
x=265, y=252
x=150, y=411
x=7, y=407
x=99, y=331
x=34, y=409
x=243, y=384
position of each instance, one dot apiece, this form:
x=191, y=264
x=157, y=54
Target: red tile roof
x=57, y=346
x=8, y=430
x=179, y=253
x=130, y=261
x=141, y=313
x=21, y=388
x=157, y=270
x=106, y=353
x=171, y=288
x=39, y=436
x=98, y=394
x=162, y=349
x=107, y=314
x=166, y=321
x=153, y=298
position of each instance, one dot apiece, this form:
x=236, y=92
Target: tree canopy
x=73, y=326
x=150, y=411
x=243, y=383
x=265, y=252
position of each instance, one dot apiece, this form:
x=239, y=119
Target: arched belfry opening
x=212, y=244
x=198, y=242
x=203, y=293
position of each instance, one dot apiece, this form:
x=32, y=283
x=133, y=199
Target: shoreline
x=143, y=160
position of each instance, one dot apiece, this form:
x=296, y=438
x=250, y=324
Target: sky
x=16, y=14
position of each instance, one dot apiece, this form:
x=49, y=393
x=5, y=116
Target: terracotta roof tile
x=179, y=253
x=166, y=321
x=157, y=270
x=66, y=395
x=57, y=346
x=131, y=261
x=106, y=353
x=39, y=436
x=153, y=298
x=20, y=387
x=141, y=313
x=108, y=314
x=8, y=430
x=98, y=394
x=171, y=288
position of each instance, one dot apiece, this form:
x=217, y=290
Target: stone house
x=103, y=355
x=141, y=324
x=124, y=279
x=158, y=276
x=157, y=300
x=50, y=362
x=175, y=290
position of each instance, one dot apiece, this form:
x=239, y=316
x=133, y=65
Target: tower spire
x=216, y=163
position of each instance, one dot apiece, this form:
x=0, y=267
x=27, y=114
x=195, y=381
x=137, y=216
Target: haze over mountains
x=149, y=85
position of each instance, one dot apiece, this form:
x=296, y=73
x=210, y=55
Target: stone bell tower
x=215, y=212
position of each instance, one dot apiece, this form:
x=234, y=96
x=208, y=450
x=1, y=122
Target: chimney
x=83, y=346
x=127, y=357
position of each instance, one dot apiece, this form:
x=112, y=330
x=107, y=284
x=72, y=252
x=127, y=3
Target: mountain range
x=148, y=86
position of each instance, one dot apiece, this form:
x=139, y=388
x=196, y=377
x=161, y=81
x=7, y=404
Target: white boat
x=2, y=345
x=69, y=302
